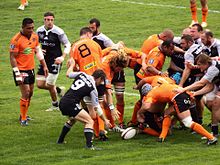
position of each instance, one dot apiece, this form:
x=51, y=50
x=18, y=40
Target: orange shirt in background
x=26, y=49
x=150, y=43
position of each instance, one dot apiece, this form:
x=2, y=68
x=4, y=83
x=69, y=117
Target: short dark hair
x=27, y=21
x=188, y=38
x=167, y=43
x=99, y=73
x=85, y=30
x=49, y=14
x=199, y=27
x=96, y=21
x=208, y=34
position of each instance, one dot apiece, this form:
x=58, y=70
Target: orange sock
x=101, y=124
x=194, y=12
x=120, y=108
x=23, y=2
x=204, y=14
x=96, y=127
x=23, y=108
x=199, y=129
x=151, y=132
x=165, y=126
x=136, y=109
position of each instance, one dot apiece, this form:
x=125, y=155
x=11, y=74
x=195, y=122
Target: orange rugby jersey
x=107, y=69
x=87, y=54
x=26, y=49
x=150, y=43
x=134, y=57
x=156, y=59
x=158, y=80
x=163, y=93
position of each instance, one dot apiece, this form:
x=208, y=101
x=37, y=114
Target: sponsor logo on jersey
x=90, y=65
x=187, y=101
x=27, y=51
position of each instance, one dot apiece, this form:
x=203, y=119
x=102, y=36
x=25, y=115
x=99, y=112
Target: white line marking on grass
x=159, y=5
x=131, y=94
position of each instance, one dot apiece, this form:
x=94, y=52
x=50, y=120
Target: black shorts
x=101, y=90
x=69, y=108
x=118, y=77
x=137, y=67
x=52, y=68
x=182, y=102
x=154, y=120
x=28, y=77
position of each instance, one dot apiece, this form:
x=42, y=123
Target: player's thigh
x=25, y=90
x=184, y=114
x=84, y=117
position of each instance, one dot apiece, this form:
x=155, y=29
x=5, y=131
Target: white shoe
x=116, y=128
x=26, y=4
x=192, y=23
x=204, y=24
x=53, y=108
x=21, y=7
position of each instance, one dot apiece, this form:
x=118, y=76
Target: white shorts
x=211, y=95
x=50, y=79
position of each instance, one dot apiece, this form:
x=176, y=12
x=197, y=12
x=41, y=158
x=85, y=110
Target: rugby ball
x=128, y=133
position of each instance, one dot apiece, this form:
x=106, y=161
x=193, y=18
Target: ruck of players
x=171, y=97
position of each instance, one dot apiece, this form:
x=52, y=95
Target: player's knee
x=187, y=121
x=90, y=121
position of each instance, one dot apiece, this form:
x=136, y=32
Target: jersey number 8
x=84, y=50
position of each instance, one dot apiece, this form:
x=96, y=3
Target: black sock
x=200, y=120
x=214, y=129
x=58, y=89
x=65, y=130
x=55, y=103
x=88, y=132
x=194, y=114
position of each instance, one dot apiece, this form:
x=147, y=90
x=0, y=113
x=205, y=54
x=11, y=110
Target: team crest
x=12, y=46
x=151, y=61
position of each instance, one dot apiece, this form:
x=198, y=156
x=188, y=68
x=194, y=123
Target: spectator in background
x=194, y=12
x=24, y=3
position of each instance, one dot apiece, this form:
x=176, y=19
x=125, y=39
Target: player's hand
x=59, y=60
x=135, y=87
x=164, y=74
x=144, y=68
x=107, y=123
x=179, y=90
x=44, y=52
x=46, y=71
x=115, y=114
x=70, y=62
x=141, y=117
